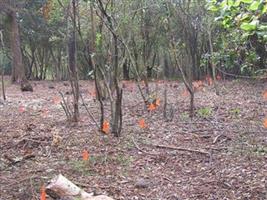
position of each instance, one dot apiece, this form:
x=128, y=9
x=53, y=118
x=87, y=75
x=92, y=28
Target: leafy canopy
x=247, y=15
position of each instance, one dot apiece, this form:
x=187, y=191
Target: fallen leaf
x=56, y=139
x=195, y=85
x=45, y=112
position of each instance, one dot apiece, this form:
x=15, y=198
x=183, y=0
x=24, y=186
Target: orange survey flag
x=85, y=155
x=265, y=95
x=105, y=127
x=265, y=123
x=43, y=193
x=151, y=107
x=142, y=123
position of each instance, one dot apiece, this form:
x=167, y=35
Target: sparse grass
x=184, y=116
x=124, y=160
x=247, y=145
x=235, y=112
x=205, y=112
x=81, y=166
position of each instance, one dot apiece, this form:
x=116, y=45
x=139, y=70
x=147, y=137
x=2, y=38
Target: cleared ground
x=220, y=154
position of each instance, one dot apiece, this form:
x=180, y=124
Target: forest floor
x=220, y=154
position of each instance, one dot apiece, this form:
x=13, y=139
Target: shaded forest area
x=133, y=99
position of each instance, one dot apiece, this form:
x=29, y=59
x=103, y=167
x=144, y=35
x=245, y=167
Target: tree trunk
x=213, y=67
x=117, y=115
x=18, y=69
x=72, y=65
x=126, y=70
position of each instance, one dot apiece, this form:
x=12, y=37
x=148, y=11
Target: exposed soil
x=220, y=154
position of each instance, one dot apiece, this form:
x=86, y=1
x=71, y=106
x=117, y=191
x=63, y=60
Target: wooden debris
x=181, y=149
x=63, y=188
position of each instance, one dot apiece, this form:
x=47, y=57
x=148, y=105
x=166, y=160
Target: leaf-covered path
x=220, y=154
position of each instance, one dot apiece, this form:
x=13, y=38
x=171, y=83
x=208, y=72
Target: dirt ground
x=220, y=154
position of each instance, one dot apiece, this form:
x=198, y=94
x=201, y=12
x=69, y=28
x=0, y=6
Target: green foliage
x=184, y=116
x=123, y=160
x=81, y=166
x=247, y=15
x=205, y=112
x=248, y=145
x=243, y=34
x=98, y=41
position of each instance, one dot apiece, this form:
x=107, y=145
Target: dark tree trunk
x=18, y=69
x=126, y=71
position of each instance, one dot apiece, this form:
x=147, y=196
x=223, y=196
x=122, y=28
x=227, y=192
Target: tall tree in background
x=18, y=68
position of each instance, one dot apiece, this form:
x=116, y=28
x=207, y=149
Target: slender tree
x=74, y=80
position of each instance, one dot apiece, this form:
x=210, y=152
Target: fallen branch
x=181, y=149
x=61, y=187
x=14, y=161
x=137, y=146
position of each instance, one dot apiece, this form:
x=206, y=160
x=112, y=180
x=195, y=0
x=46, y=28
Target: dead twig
x=90, y=114
x=65, y=106
x=181, y=149
x=22, y=180
x=216, y=138
x=219, y=136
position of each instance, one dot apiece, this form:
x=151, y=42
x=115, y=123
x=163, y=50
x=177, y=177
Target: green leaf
x=213, y=8
x=237, y=3
x=254, y=6
x=262, y=33
x=247, y=26
x=262, y=28
x=230, y=2
x=247, y=1
x=264, y=9
x=243, y=17
x=226, y=22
